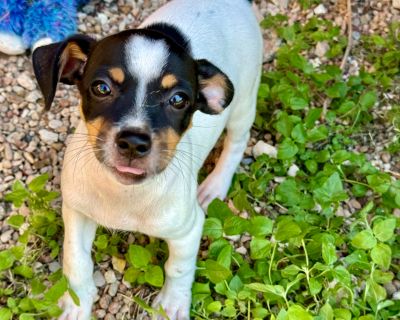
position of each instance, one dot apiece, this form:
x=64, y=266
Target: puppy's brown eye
x=179, y=101
x=101, y=89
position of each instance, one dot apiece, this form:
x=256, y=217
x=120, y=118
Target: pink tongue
x=137, y=171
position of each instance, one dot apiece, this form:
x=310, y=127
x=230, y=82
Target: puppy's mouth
x=129, y=174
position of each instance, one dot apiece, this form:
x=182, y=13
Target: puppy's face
x=139, y=90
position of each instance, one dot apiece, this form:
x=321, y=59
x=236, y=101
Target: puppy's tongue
x=132, y=170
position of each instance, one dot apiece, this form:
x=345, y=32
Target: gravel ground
x=32, y=142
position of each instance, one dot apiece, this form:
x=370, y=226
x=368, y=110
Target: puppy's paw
x=214, y=186
x=71, y=311
x=175, y=304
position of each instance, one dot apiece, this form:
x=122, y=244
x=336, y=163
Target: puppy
x=154, y=101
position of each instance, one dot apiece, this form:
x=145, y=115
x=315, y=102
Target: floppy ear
x=215, y=89
x=62, y=61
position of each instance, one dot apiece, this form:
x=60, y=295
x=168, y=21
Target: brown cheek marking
x=117, y=74
x=93, y=128
x=169, y=81
x=166, y=142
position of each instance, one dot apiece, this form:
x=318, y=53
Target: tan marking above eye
x=117, y=74
x=168, y=81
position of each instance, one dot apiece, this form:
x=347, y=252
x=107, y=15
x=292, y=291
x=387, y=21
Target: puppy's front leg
x=78, y=264
x=175, y=296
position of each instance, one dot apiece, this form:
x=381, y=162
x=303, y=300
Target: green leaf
x=338, y=90
x=38, y=183
x=381, y=254
x=331, y=190
x=267, y=288
x=18, y=194
x=299, y=133
x=288, y=193
x=138, y=256
x=26, y=316
x=287, y=229
x=101, y=242
x=287, y=149
x=219, y=209
x=315, y=286
x=259, y=248
x=342, y=314
x=235, y=225
x=296, y=312
x=375, y=292
x=284, y=125
x=16, y=220
x=131, y=274
x=364, y=240
x=6, y=259
x=384, y=229
x=317, y=133
x=328, y=252
x=24, y=270
x=214, y=306
x=213, y=228
x=57, y=290
x=326, y=312
x=5, y=314
x=154, y=275
x=297, y=103
x=260, y=226
x=225, y=256
x=368, y=99
x=379, y=182
x=215, y=272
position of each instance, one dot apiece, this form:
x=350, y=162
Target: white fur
x=226, y=33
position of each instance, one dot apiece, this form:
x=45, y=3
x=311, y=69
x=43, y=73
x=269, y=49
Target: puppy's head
x=139, y=90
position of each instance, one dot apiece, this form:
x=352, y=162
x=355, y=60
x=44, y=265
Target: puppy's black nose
x=133, y=143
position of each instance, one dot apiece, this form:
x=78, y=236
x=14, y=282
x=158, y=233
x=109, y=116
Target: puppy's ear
x=215, y=89
x=62, y=61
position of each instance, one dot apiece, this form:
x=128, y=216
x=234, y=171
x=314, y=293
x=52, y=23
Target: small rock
x=110, y=276
x=279, y=179
x=390, y=288
x=114, y=307
x=104, y=302
x=292, y=172
x=102, y=18
x=385, y=156
x=54, y=266
x=55, y=124
x=109, y=316
x=396, y=295
x=6, y=236
x=396, y=212
x=233, y=238
x=113, y=289
x=33, y=96
x=8, y=153
x=118, y=264
x=320, y=10
x=264, y=148
x=100, y=313
x=25, y=81
x=396, y=4
x=321, y=48
x=98, y=279
x=48, y=136
x=355, y=204
x=242, y=250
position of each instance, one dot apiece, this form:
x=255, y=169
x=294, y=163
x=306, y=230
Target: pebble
x=118, y=264
x=242, y=250
x=100, y=313
x=8, y=153
x=48, y=136
x=354, y=204
x=292, y=172
x=98, y=279
x=104, y=302
x=113, y=289
x=54, y=266
x=385, y=156
x=320, y=10
x=33, y=96
x=114, y=307
x=110, y=276
x=6, y=236
x=396, y=4
x=55, y=124
x=26, y=81
x=262, y=147
x=109, y=316
x=321, y=48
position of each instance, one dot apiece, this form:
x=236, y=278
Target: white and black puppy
x=154, y=102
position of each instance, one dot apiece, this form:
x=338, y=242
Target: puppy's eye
x=100, y=88
x=179, y=100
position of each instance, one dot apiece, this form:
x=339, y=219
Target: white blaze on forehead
x=146, y=59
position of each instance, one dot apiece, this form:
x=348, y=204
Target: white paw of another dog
x=71, y=311
x=214, y=186
x=175, y=304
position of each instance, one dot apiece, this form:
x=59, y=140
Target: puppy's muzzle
x=133, y=143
